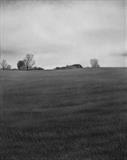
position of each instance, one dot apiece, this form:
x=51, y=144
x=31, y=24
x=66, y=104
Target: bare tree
x=4, y=64
x=94, y=63
x=29, y=61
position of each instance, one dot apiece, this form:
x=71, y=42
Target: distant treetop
x=70, y=66
x=94, y=63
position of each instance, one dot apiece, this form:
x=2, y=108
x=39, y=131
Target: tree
x=37, y=68
x=21, y=64
x=29, y=61
x=4, y=64
x=94, y=63
x=8, y=67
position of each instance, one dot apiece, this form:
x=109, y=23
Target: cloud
x=8, y=51
x=124, y=54
x=76, y=31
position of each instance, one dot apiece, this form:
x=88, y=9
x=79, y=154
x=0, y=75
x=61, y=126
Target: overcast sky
x=64, y=32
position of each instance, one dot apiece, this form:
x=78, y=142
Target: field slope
x=78, y=114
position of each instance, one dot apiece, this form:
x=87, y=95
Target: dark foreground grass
x=63, y=115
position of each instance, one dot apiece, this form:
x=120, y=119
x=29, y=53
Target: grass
x=78, y=114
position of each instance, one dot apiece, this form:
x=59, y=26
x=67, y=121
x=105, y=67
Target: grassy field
x=63, y=115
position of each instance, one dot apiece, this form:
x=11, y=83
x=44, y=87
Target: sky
x=63, y=32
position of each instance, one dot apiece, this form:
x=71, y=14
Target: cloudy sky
x=60, y=32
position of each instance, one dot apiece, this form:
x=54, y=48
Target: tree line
x=28, y=64
x=25, y=64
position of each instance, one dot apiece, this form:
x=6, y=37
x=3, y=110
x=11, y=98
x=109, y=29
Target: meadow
x=76, y=114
